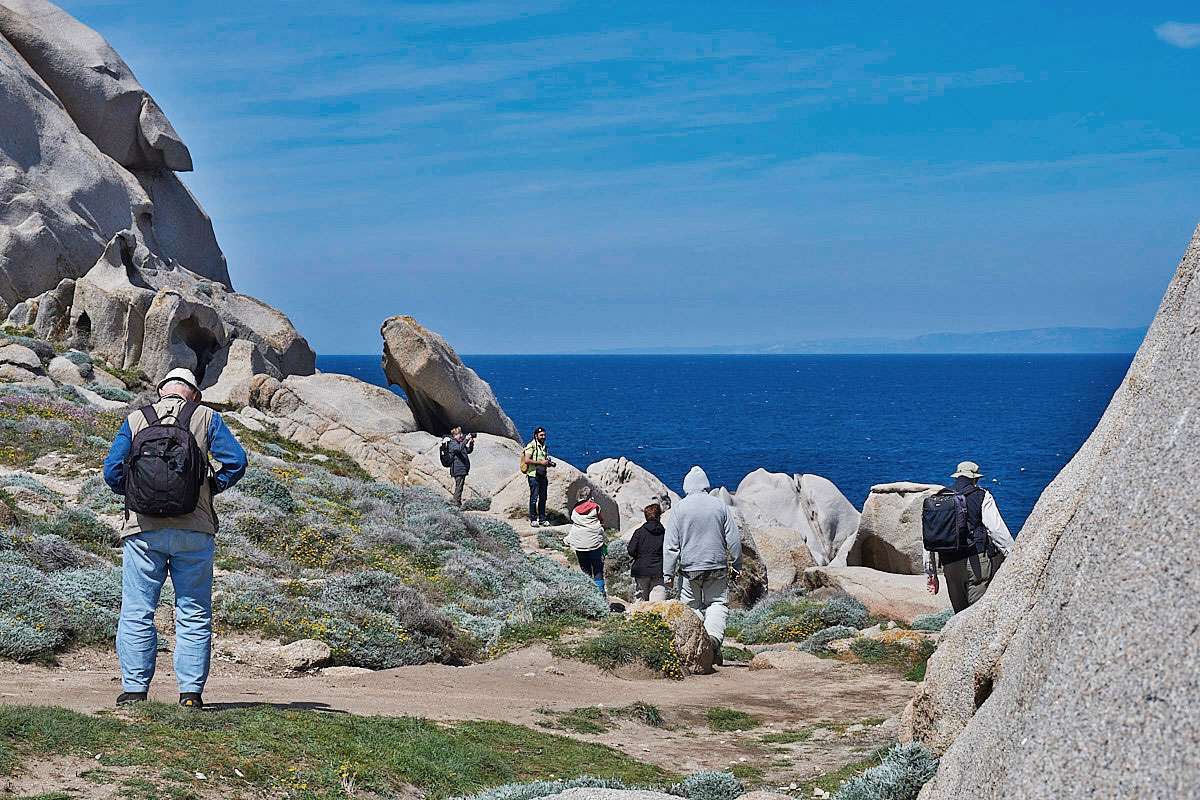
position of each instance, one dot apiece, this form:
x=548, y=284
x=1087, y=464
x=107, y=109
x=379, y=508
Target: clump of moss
x=729, y=719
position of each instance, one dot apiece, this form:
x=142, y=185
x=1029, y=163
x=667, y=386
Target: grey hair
x=583, y=495
x=164, y=390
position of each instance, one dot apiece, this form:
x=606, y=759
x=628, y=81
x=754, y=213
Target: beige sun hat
x=967, y=469
x=182, y=375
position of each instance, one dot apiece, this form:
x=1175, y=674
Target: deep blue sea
x=857, y=420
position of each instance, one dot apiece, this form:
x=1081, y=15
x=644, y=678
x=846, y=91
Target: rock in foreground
x=885, y=594
x=889, y=535
x=1077, y=674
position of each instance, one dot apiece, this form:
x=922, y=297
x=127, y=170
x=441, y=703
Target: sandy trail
x=514, y=687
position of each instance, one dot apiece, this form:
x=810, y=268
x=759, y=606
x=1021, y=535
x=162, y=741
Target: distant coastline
x=1060, y=340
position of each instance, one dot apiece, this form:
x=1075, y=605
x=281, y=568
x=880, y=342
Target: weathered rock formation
x=633, y=488
x=1078, y=673
x=889, y=535
x=692, y=643
x=784, y=554
x=85, y=153
x=442, y=391
x=885, y=594
x=808, y=504
x=370, y=424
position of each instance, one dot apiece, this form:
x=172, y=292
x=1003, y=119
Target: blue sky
x=550, y=176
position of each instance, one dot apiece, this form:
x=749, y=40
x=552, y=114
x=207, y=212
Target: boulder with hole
x=889, y=536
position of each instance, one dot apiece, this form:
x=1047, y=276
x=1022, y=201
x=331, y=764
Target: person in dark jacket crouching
x=646, y=550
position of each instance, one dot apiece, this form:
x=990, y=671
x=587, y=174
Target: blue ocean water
x=857, y=420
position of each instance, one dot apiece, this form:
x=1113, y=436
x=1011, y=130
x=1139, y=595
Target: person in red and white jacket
x=586, y=537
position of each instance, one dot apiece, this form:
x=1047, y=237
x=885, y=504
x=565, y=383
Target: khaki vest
x=202, y=518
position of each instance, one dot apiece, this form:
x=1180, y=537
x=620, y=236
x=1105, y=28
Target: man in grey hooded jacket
x=702, y=542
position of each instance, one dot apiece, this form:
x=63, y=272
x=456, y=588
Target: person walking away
x=646, y=550
x=703, y=542
x=535, y=460
x=586, y=537
x=160, y=462
x=456, y=454
x=970, y=563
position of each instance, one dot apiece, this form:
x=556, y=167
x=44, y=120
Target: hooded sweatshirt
x=586, y=532
x=701, y=531
x=646, y=550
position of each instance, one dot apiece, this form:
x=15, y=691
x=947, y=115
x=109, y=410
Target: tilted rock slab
x=72, y=115
x=1078, y=673
x=366, y=422
x=633, y=487
x=889, y=535
x=809, y=504
x=692, y=642
x=442, y=391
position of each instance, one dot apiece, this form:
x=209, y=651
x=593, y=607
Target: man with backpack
x=160, y=462
x=455, y=453
x=964, y=532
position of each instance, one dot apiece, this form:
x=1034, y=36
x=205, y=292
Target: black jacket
x=460, y=461
x=646, y=550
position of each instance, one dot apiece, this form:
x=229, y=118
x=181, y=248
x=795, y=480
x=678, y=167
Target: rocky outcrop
x=1076, y=674
x=494, y=463
x=885, y=594
x=368, y=423
x=889, y=535
x=808, y=504
x=692, y=642
x=565, y=481
x=48, y=314
x=229, y=374
x=442, y=391
x=72, y=115
x=632, y=487
x=135, y=311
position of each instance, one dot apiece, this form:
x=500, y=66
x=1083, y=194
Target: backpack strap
x=184, y=419
x=151, y=415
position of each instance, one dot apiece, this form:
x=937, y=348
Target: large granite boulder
x=368, y=423
x=692, y=642
x=784, y=554
x=563, y=487
x=49, y=313
x=494, y=462
x=889, y=535
x=230, y=373
x=633, y=488
x=885, y=594
x=808, y=504
x=1076, y=675
x=442, y=391
x=62, y=194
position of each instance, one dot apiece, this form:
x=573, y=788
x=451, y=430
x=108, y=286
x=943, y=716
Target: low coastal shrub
x=477, y=504
x=44, y=350
x=641, y=638
x=932, y=622
x=709, y=785
x=791, y=616
x=35, y=421
x=899, y=776
x=111, y=392
x=819, y=641
x=41, y=614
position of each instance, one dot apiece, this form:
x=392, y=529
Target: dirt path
x=823, y=698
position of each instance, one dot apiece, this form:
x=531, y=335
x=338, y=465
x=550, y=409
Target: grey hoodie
x=701, y=531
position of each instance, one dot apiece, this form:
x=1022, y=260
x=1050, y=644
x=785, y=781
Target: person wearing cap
x=969, y=571
x=535, y=460
x=181, y=547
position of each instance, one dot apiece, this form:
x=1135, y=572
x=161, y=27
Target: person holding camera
x=535, y=460
x=456, y=454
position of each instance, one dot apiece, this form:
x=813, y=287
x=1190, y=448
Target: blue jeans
x=149, y=557
x=537, y=497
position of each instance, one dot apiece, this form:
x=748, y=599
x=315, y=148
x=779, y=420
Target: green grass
x=910, y=663
x=830, y=781
x=130, y=377
x=594, y=719
x=307, y=754
x=728, y=719
x=643, y=638
x=750, y=773
x=788, y=737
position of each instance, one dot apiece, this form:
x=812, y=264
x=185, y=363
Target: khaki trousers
x=967, y=579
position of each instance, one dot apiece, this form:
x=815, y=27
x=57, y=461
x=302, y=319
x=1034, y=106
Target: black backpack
x=444, y=454
x=945, y=526
x=165, y=467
